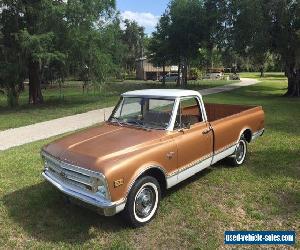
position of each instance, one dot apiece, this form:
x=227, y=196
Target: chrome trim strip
x=198, y=165
x=190, y=165
x=83, y=179
x=221, y=150
x=109, y=208
x=257, y=134
x=223, y=154
x=183, y=175
x=188, y=172
x=141, y=173
x=72, y=167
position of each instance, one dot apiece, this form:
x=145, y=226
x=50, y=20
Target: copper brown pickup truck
x=153, y=140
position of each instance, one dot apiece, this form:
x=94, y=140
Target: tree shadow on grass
x=44, y=214
x=289, y=201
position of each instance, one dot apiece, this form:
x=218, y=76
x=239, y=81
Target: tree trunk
x=35, y=93
x=184, y=75
x=293, y=82
x=262, y=72
x=12, y=97
x=164, y=75
x=178, y=82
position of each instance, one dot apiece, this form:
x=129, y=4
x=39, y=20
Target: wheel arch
x=156, y=172
x=247, y=133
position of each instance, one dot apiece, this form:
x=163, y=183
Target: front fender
x=129, y=169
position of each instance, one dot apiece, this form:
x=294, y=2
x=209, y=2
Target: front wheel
x=239, y=156
x=142, y=202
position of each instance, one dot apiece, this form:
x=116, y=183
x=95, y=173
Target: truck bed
x=219, y=111
x=216, y=112
x=228, y=121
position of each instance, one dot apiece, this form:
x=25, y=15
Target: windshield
x=144, y=112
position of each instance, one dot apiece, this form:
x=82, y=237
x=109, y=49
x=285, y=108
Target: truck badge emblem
x=118, y=183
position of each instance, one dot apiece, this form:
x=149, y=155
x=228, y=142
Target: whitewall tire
x=142, y=201
x=239, y=156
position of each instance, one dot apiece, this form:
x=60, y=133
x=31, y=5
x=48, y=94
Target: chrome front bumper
x=101, y=205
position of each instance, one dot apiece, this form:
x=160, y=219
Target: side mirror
x=186, y=125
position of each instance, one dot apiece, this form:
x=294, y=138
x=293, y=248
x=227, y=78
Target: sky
x=145, y=12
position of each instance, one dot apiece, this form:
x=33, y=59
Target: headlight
x=101, y=189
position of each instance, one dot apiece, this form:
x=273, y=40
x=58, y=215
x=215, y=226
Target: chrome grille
x=72, y=175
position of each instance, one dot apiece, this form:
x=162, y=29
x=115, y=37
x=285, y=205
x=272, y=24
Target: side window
x=188, y=112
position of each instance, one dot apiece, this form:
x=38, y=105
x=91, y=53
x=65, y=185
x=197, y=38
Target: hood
x=97, y=147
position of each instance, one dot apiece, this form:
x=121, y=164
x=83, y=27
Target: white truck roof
x=173, y=93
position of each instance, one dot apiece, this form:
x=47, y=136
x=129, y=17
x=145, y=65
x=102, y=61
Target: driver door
x=193, y=138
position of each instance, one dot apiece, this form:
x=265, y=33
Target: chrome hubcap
x=240, y=151
x=144, y=202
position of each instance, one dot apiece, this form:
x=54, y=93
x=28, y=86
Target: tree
x=178, y=35
x=158, y=48
x=251, y=31
x=12, y=63
x=93, y=40
x=285, y=30
x=133, y=38
x=186, y=32
x=260, y=28
x=214, y=24
x=40, y=44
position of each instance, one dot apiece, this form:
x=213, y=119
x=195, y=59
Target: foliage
x=159, y=52
x=251, y=34
x=158, y=47
x=86, y=34
x=12, y=62
x=178, y=36
x=250, y=31
x=263, y=27
x=133, y=38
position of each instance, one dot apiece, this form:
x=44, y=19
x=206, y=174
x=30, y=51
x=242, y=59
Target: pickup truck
x=153, y=140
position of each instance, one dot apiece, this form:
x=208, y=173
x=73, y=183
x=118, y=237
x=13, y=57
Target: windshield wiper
x=139, y=125
x=118, y=121
x=155, y=126
x=135, y=122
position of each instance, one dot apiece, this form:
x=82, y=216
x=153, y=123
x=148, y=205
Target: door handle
x=206, y=131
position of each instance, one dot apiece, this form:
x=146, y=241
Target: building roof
x=162, y=93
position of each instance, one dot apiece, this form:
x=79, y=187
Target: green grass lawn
x=71, y=100
x=263, y=194
x=267, y=75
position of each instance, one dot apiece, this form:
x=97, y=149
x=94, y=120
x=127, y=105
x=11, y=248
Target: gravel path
x=43, y=130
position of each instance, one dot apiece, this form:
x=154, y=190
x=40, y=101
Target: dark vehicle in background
x=170, y=77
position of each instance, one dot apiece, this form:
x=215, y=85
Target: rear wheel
x=142, y=202
x=239, y=156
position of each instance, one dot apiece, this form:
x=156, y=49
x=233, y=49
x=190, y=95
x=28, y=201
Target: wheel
x=239, y=156
x=142, y=202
